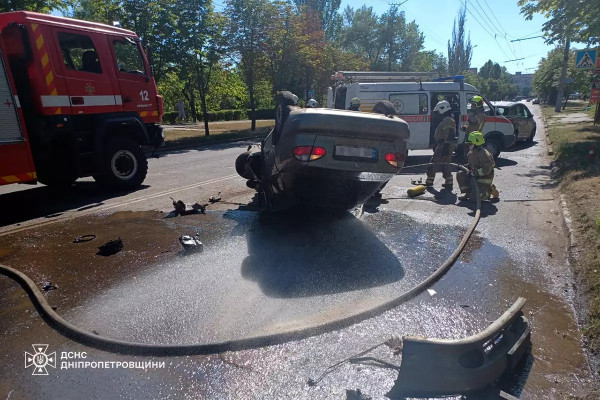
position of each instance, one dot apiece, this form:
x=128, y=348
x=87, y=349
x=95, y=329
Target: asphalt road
x=261, y=274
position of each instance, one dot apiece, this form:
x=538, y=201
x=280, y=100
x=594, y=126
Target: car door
x=530, y=121
x=137, y=91
x=521, y=116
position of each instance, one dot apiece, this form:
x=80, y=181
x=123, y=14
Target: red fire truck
x=77, y=99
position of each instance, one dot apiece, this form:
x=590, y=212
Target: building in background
x=523, y=81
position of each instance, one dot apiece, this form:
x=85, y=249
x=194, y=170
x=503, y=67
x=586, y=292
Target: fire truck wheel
x=125, y=165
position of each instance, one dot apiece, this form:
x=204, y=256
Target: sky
x=491, y=39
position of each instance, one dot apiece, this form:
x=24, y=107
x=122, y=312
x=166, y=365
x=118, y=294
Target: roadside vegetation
x=579, y=180
x=220, y=132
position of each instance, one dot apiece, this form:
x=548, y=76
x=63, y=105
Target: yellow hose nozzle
x=415, y=191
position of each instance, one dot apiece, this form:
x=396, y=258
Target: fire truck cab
x=77, y=99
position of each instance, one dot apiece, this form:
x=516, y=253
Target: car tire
x=494, y=146
x=530, y=138
x=124, y=165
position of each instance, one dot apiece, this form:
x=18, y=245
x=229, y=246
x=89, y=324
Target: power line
x=480, y=24
x=533, y=37
x=494, y=15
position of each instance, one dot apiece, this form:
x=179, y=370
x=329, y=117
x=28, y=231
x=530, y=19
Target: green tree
x=326, y=13
x=44, y=6
x=566, y=21
x=249, y=21
x=388, y=41
x=460, y=50
x=546, y=78
x=430, y=61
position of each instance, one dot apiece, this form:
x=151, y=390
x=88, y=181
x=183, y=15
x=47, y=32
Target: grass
x=220, y=132
x=579, y=180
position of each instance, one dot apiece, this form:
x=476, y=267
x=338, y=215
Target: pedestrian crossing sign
x=585, y=58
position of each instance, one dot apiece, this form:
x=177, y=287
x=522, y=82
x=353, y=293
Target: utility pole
x=563, y=75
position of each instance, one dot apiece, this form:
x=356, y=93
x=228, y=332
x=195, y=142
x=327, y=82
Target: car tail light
x=393, y=158
x=308, y=153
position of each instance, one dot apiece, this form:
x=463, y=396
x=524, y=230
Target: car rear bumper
x=327, y=188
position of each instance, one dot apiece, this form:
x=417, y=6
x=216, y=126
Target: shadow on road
x=43, y=201
x=298, y=255
x=520, y=146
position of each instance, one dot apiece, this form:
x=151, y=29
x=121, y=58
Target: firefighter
x=481, y=165
x=354, y=104
x=445, y=138
x=476, y=115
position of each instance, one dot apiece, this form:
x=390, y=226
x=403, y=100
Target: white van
x=414, y=102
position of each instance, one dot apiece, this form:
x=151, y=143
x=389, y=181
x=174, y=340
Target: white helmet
x=442, y=107
x=311, y=103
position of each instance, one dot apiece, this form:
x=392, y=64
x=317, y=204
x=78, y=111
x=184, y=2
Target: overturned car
x=324, y=158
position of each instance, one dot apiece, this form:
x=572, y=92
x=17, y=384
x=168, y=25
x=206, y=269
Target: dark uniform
x=482, y=162
x=445, y=137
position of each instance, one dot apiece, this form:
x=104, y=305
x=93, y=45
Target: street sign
x=585, y=59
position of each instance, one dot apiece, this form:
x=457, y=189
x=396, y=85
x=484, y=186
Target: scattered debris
x=550, y=254
x=178, y=205
x=47, y=286
x=84, y=238
x=464, y=306
x=431, y=292
x=110, y=248
x=191, y=244
x=215, y=199
x=201, y=208
x=416, y=182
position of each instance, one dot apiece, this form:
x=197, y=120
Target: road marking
x=69, y=213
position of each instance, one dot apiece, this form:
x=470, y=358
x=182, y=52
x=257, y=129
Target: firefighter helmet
x=355, y=102
x=477, y=100
x=442, y=107
x=476, y=138
x=312, y=103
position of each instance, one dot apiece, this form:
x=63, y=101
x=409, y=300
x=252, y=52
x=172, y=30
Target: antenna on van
x=421, y=84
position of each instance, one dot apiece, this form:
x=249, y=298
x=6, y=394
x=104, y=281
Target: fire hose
x=65, y=328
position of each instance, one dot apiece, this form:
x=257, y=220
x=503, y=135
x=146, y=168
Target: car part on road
x=415, y=191
x=201, y=208
x=110, y=248
x=84, y=238
x=47, y=286
x=84, y=337
x=215, y=199
x=416, y=182
x=439, y=367
x=178, y=205
x=191, y=244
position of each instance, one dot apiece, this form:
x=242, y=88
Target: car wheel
x=493, y=146
x=124, y=164
x=530, y=138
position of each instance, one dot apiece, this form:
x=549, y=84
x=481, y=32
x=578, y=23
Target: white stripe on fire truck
x=88, y=101
x=17, y=103
x=55, y=101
